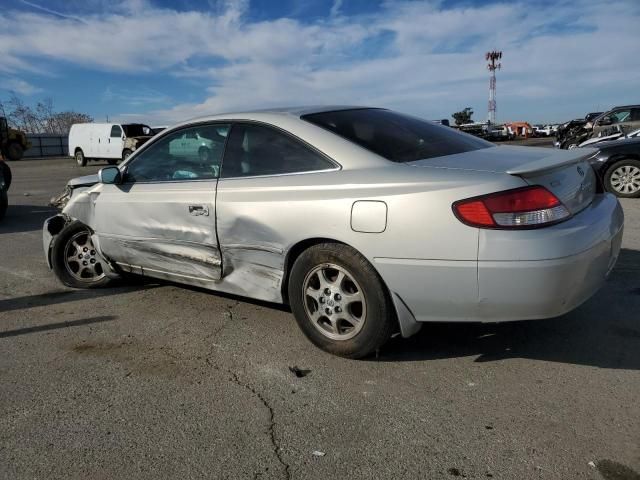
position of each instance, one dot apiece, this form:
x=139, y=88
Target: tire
x=353, y=329
x=81, y=272
x=4, y=203
x=623, y=178
x=14, y=151
x=126, y=153
x=6, y=174
x=81, y=160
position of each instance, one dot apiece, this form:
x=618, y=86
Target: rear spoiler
x=555, y=159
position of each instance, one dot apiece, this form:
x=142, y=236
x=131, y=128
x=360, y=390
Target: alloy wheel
x=334, y=302
x=626, y=179
x=81, y=259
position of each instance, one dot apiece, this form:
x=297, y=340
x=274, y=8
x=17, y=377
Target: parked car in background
x=157, y=130
x=616, y=136
x=5, y=183
x=617, y=162
x=619, y=119
x=106, y=141
x=365, y=221
x=547, y=130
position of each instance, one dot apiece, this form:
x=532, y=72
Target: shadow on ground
x=25, y=218
x=65, y=296
x=56, y=326
x=604, y=332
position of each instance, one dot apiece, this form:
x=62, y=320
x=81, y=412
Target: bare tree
x=41, y=119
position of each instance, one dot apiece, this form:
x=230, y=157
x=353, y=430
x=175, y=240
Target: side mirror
x=110, y=175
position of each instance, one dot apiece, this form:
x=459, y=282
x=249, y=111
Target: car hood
x=510, y=159
x=85, y=181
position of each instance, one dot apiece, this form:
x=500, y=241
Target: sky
x=163, y=61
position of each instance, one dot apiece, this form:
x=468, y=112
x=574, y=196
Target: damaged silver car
x=365, y=221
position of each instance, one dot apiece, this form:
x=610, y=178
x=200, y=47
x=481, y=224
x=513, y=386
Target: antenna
x=492, y=57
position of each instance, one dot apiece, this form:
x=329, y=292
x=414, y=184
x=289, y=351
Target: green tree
x=463, y=117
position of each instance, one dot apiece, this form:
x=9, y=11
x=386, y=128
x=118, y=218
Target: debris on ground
x=299, y=372
x=318, y=453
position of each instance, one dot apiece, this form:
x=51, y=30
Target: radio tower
x=492, y=57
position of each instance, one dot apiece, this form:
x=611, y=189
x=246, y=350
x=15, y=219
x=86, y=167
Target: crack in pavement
x=228, y=314
x=235, y=379
x=272, y=434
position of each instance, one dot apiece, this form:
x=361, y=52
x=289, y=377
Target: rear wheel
x=81, y=160
x=14, y=151
x=75, y=260
x=126, y=153
x=339, y=301
x=623, y=178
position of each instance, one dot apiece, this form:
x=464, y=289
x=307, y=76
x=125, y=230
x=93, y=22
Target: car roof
x=263, y=114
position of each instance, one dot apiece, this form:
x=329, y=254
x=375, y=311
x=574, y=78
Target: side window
x=635, y=114
x=116, y=131
x=174, y=157
x=621, y=116
x=255, y=150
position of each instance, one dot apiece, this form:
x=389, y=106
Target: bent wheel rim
x=626, y=179
x=81, y=259
x=334, y=302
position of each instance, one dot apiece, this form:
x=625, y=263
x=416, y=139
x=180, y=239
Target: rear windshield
x=396, y=137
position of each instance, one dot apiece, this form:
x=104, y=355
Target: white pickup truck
x=106, y=141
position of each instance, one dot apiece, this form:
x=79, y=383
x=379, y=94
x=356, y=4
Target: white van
x=106, y=141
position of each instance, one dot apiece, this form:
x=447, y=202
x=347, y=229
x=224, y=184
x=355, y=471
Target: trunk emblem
x=581, y=171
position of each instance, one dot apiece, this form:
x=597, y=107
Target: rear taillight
x=523, y=207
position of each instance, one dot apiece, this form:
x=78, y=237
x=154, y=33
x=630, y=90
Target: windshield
x=396, y=137
x=137, y=130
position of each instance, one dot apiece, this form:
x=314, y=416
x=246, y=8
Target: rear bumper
x=519, y=275
x=517, y=282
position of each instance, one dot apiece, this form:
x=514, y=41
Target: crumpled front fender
x=52, y=226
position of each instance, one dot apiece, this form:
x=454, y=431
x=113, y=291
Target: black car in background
x=570, y=134
x=618, y=164
x=5, y=183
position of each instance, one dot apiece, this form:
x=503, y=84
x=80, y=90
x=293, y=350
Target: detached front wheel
x=75, y=260
x=339, y=301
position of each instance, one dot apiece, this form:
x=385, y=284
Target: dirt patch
x=137, y=358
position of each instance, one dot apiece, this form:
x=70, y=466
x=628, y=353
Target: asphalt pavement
x=152, y=380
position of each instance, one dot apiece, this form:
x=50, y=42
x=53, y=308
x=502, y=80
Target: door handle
x=196, y=210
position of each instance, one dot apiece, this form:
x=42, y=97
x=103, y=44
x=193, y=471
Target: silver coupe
x=365, y=221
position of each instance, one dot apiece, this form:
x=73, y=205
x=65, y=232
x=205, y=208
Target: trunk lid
x=565, y=173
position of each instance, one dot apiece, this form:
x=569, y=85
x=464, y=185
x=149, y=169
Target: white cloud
x=335, y=8
x=19, y=86
x=415, y=56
